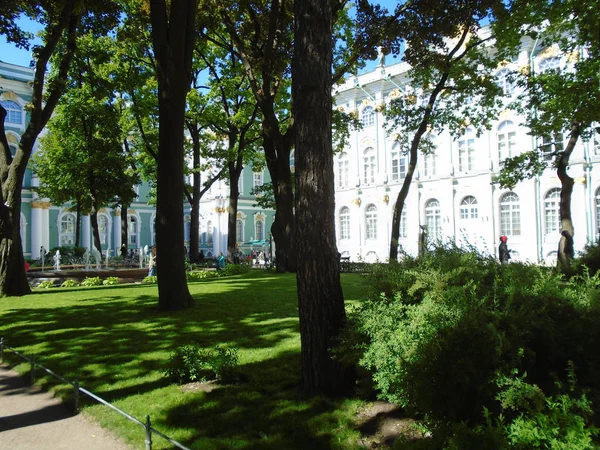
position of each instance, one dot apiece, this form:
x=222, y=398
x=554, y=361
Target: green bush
x=47, y=284
x=69, y=283
x=198, y=275
x=190, y=363
x=589, y=258
x=91, y=281
x=438, y=331
x=150, y=280
x=111, y=281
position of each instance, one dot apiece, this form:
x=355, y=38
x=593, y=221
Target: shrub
x=47, y=284
x=190, y=363
x=198, y=275
x=69, y=283
x=590, y=258
x=110, y=281
x=150, y=280
x=91, y=281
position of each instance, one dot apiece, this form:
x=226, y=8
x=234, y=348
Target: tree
x=173, y=36
x=451, y=82
x=63, y=22
x=320, y=297
x=558, y=100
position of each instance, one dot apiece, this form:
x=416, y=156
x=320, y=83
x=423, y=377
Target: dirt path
x=31, y=419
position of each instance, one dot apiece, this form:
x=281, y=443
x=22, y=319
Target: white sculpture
x=86, y=259
x=98, y=257
x=57, y=260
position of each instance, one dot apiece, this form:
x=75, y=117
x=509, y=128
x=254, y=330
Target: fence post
x=148, y=433
x=32, y=370
x=76, y=395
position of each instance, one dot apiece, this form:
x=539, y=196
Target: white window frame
x=552, y=211
x=510, y=214
x=371, y=222
x=345, y=223
x=506, y=138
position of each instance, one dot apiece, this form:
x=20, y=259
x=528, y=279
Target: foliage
x=190, y=363
x=46, y=284
x=437, y=333
x=110, y=281
x=91, y=281
x=69, y=283
x=150, y=280
x=590, y=258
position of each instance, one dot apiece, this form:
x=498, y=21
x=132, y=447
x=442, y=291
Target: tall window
x=259, y=229
x=468, y=208
x=258, y=179
x=403, y=226
x=14, y=112
x=371, y=221
x=398, y=160
x=367, y=116
x=241, y=182
x=504, y=79
x=67, y=229
x=342, y=171
x=552, y=211
x=466, y=150
x=510, y=214
x=506, y=140
x=551, y=145
x=369, y=166
x=239, y=230
x=103, y=228
x=132, y=236
x=209, y=232
x=345, y=223
x=433, y=219
x=429, y=165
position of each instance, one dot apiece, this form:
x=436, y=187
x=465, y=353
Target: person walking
x=220, y=261
x=152, y=263
x=503, y=251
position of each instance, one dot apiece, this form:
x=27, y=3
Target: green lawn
x=115, y=342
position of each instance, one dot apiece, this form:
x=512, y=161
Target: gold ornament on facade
x=573, y=56
x=365, y=102
x=357, y=201
x=505, y=115
x=380, y=107
x=41, y=205
x=525, y=70
x=548, y=52
x=394, y=94
x=386, y=199
x=341, y=108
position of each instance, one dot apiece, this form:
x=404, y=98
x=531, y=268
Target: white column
x=85, y=232
x=39, y=226
x=117, y=229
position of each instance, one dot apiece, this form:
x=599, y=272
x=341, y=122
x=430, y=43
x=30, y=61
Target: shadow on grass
x=116, y=344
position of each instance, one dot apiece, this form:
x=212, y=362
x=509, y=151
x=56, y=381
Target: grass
x=116, y=344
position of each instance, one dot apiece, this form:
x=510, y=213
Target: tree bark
x=195, y=203
x=95, y=232
x=173, y=36
x=320, y=297
x=124, y=226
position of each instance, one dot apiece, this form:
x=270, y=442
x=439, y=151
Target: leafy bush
x=233, y=269
x=150, y=280
x=69, y=283
x=190, y=363
x=91, y=281
x=198, y=275
x=110, y=281
x=590, y=258
x=438, y=331
x=47, y=284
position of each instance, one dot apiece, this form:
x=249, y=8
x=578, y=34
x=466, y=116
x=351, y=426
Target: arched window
x=239, y=230
x=398, y=161
x=510, y=214
x=466, y=150
x=403, y=226
x=132, y=231
x=342, y=171
x=259, y=229
x=367, y=116
x=552, y=211
x=103, y=228
x=506, y=138
x=369, y=166
x=345, y=223
x=371, y=221
x=371, y=257
x=505, y=80
x=468, y=208
x=67, y=229
x=433, y=219
x=209, y=232
x=14, y=112
x=551, y=63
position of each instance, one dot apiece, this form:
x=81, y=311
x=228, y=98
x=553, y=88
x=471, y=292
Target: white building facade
x=452, y=195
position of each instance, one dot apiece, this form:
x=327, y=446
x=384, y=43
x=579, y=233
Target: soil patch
x=382, y=423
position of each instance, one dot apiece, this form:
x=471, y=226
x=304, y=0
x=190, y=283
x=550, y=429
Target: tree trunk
x=78, y=225
x=235, y=169
x=173, y=36
x=124, y=226
x=320, y=297
x=195, y=205
x=95, y=231
x=565, y=246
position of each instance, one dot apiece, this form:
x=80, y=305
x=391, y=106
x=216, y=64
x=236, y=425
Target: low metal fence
x=78, y=390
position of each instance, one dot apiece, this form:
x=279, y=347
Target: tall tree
x=173, y=36
x=320, y=297
x=561, y=101
x=63, y=22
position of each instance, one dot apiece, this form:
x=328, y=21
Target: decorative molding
x=116, y=213
x=548, y=52
x=10, y=95
x=505, y=115
x=394, y=94
x=41, y=205
x=366, y=102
